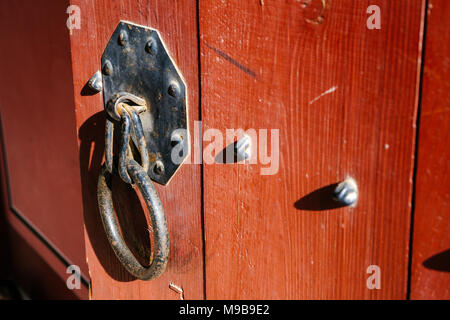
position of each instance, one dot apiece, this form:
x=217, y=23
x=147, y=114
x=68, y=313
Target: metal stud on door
x=144, y=93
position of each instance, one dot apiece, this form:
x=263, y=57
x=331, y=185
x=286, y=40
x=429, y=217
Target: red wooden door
x=344, y=99
x=41, y=185
x=335, y=98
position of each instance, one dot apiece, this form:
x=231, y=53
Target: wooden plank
x=38, y=124
x=431, y=242
x=344, y=101
x=181, y=198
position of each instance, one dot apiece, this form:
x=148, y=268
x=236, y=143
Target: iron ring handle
x=157, y=217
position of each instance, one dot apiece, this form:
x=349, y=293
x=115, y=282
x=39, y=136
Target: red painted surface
x=344, y=99
x=37, y=113
x=181, y=199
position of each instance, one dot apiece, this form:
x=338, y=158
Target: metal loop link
x=123, y=148
x=130, y=125
x=138, y=133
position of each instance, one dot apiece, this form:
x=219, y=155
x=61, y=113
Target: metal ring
x=157, y=217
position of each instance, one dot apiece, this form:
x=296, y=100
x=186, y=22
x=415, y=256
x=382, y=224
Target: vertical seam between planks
x=416, y=145
x=202, y=197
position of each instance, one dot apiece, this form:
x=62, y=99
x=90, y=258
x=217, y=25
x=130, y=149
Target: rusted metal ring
x=157, y=218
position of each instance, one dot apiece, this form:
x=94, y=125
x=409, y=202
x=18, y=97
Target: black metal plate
x=142, y=66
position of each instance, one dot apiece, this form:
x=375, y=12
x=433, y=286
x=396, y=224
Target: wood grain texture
x=181, y=199
x=38, y=122
x=431, y=241
x=344, y=100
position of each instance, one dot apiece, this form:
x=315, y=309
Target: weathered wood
x=430, y=277
x=181, y=199
x=344, y=100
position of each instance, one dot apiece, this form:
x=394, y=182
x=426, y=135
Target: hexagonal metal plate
x=141, y=65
